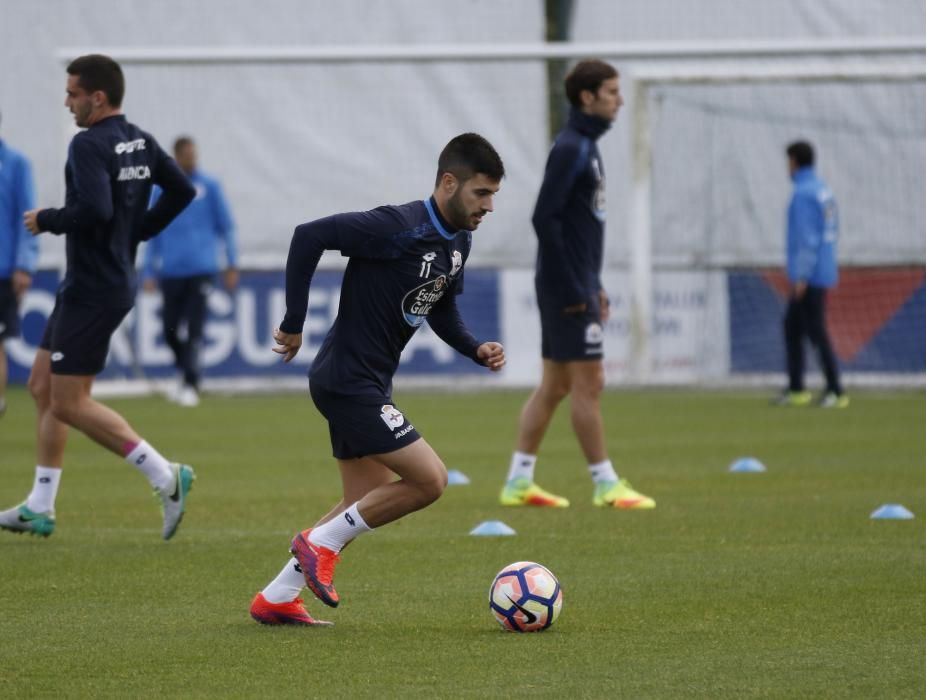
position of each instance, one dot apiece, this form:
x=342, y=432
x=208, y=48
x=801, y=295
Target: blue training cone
x=747, y=465
x=892, y=511
x=492, y=528
x=456, y=478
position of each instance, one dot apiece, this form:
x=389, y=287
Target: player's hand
x=289, y=344
x=20, y=281
x=798, y=289
x=150, y=284
x=492, y=355
x=605, y=305
x=230, y=279
x=31, y=220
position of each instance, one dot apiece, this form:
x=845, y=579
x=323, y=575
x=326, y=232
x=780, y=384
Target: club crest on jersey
x=417, y=304
x=457, y=263
x=392, y=417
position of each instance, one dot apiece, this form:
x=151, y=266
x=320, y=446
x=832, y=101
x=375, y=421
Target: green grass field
x=737, y=585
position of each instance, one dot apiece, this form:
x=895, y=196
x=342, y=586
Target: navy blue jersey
x=109, y=173
x=569, y=216
x=406, y=266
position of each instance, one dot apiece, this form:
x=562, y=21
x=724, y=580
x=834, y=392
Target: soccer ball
x=525, y=597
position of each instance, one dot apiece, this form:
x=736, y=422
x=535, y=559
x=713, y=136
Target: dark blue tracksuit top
x=405, y=267
x=109, y=173
x=569, y=216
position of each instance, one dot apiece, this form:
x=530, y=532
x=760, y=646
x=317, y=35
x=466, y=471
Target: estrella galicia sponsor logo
x=350, y=520
x=417, y=304
x=134, y=172
x=57, y=356
x=130, y=146
x=392, y=417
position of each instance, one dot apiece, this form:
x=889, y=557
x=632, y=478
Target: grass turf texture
x=737, y=585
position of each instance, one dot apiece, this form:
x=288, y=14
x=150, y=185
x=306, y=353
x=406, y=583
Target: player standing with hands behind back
x=110, y=170
x=569, y=221
x=406, y=266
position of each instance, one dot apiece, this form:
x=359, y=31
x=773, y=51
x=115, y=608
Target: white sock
x=340, y=530
x=287, y=586
x=602, y=471
x=44, y=489
x=150, y=462
x=522, y=466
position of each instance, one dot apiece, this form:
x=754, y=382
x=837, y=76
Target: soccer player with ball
x=406, y=266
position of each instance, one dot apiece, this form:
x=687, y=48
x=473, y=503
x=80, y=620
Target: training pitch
x=738, y=585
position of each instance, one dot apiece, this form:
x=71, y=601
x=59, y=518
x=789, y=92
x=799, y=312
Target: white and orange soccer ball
x=525, y=597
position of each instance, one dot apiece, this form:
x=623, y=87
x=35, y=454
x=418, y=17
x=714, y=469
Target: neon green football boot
x=620, y=494
x=524, y=492
x=793, y=398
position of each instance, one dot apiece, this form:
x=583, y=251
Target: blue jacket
x=813, y=229
x=189, y=246
x=569, y=216
x=19, y=250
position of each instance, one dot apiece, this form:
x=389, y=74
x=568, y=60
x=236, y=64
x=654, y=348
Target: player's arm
x=93, y=203
x=804, y=234
x=305, y=250
x=176, y=193
x=563, y=165
x=446, y=322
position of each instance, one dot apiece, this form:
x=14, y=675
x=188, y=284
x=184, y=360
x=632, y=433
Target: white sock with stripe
x=340, y=530
x=44, y=489
x=522, y=466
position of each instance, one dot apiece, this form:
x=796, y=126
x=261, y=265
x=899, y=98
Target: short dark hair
x=98, y=72
x=587, y=75
x=801, y=152
x=182, y=142
x=467, y=155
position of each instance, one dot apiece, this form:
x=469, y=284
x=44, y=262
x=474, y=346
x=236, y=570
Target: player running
x=110, y=169
x=406, y=266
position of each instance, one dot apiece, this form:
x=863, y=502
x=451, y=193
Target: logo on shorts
x=594, y=335
x=392, y=417
x=57, y=356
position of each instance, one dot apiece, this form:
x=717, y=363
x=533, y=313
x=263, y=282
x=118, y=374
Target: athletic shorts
x=570, y=337
x=9, y=311
x=362, y=425
x=77, y=336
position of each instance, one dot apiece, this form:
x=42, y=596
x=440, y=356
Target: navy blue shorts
x=362, y=425
x=77, y=336
x=570, y=337
x=9, y=311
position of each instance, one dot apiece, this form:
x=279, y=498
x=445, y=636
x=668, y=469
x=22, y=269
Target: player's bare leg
x=587, y=382
x=538, y=410
x=422, y=479
x=64, y=400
